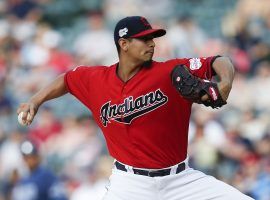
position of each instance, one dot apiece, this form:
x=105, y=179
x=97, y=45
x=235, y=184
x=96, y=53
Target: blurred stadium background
x=39, y=39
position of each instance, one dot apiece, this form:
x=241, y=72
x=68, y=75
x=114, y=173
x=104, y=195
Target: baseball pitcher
x=143, y=108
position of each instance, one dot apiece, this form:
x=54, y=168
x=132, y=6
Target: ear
x=124, y=44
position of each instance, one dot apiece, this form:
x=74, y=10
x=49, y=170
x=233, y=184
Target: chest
x=142, y=94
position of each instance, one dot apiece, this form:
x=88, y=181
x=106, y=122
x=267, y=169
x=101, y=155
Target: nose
x=151, y=43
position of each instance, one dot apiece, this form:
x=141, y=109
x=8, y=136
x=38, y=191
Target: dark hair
x=118, y=48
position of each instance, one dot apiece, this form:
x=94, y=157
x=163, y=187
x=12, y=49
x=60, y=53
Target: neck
x=127, y=69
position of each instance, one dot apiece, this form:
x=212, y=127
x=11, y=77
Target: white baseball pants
x=189, y=184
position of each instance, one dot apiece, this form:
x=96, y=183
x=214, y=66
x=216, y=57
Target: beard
x=147, y=64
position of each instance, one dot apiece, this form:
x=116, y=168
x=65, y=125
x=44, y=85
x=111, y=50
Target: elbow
x=230, y=65
x=224, y=69
x=227, y=63
x=227, y=60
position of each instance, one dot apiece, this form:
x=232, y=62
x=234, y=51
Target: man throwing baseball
x=143, y=109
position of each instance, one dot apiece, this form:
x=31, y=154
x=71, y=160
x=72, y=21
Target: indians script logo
x=132, y=108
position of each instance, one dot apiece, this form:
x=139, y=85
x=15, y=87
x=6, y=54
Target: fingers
x=20, y=108
x=24, y=108
x=224, y=90
x=205, y=97
x=32, y=113
x=32, y=110
x=28, y=112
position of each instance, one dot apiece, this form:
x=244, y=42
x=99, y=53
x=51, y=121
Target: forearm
x=29, y=109
x=225, y=71
x=55, y=89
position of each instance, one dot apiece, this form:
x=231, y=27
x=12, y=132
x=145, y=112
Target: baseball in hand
x=20, y=119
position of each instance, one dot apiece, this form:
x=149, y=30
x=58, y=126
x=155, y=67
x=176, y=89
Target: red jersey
x=144, y=120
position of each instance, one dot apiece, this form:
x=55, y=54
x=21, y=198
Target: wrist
x=36, y=102
x=225, y=84
x=224, y=89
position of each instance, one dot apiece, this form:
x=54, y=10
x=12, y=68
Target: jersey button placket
x=124, y=95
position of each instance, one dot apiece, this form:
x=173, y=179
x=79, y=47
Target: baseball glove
x=193, y=88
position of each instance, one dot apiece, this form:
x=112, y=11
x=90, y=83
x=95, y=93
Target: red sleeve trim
x=66, y=82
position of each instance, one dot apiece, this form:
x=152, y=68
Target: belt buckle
x=151, y=173
x=159, y=173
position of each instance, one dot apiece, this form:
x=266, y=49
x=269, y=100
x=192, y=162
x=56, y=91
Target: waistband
x=152, y=172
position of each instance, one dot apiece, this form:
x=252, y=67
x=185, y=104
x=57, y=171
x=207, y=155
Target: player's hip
x=189, y=184
x=162, y=172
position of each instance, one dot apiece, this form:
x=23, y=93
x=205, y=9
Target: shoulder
x=169, y=64
x=84, y=68
x=84, y=71
x=192, y=63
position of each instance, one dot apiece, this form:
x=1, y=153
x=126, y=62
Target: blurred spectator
x=206, y=137
x=21, y=8
x=247, y=174
x=10, y=183
x=186, y=38
x=10, y=156
x=24, y=16
x=60, y=60
x=95, y=46
x=261, y=100
x=46, y=126
x=95, y=186
x=261, y=187
x=76, y=148
x=240, y=57
x=40, y=183
x=5, y=109
x=163, y=48
x=247, y=25
x=152, y=9
x=252, y=127
x=240, y=84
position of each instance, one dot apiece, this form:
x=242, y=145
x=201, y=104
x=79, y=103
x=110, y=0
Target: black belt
x=152, y=173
